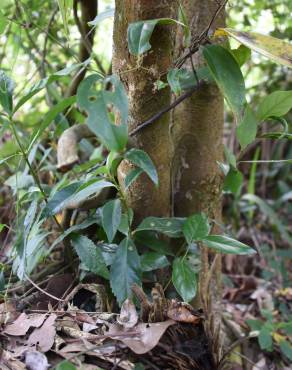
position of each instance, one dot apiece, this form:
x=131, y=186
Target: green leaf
x=227, y=245
x=247, y=129
x=265, y=339
x=153, y=261
x=90, y=255
x=143, y=161
x=242, y=54
x=139, y=34
x=229, y=156
x=111, y=217
x=65, y=7
x=125, y=270
x=170, y=226
x=196, y=227
x=101, y=16
x=2, y=227
x=6, y=91
x=65, y=365
x=277, y=50
x=151, y=240
x=132, y=176
x=96, y=103
x=286, y=348
x=228, y=76
x=255, y=325
x=278, y=103
x=184, y=279
x=233, y=181
x=3, y=22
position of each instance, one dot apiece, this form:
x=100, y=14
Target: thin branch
x=167, y=109
x=43, y=291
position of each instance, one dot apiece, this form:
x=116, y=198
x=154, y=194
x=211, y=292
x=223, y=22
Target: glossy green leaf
x=111, y=217
x=277, y=50
x=227, y=75
x=170, y=226
x=152, y=261
x=65, y=365
x=143, y=161
x=150, y=240
x=225, y=244
x=242, y=54
x=90, y=255
x=233, y=181
x=125, y=270
x=180, y=79
x=196, y=227
x=132, y=176
x=278, y=103
x=184, y=279
x=102, y=16
x=96, y=103
x=6, y=91
x=139, y=33
x=247, y=129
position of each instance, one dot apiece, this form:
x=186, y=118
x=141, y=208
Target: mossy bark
x=197, y=132
x=139, y=77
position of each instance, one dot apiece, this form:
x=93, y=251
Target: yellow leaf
x=278, y=337
x=275, y=49
x=220, y=32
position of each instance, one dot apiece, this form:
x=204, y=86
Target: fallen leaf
x=7, y=360
x=145, y=338
x=35, y=360
x=21, y=325
x=8, y=312
x=180, y=313
x=44, y=337
x=128, y=317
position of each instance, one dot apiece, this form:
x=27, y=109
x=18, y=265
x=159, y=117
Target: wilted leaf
x=170, y=226
x=128, y=317
x=196, y=227
x=227, y=245
x=90, y=255
x=111, y=217
x=143, y=161
x=96, y=102
x=184, y=279
x=139, y=34
x=275, y=49
x=125, y=270
x=227, y=75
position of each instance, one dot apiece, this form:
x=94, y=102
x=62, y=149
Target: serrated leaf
x=233, y=181
x=6, y=92
x=278, y=103
x=170, y=226
x=275, y=49
x=125, y=270
x=111, y=217
x=139, y=34
x=196, y=227
x=184, y=279
x=227, y=75
x=286, y=348
x=96, y=103
x=247, y=129
x=132, y=176
x=225, y=244
x=90, y=255
x=265, y=339
x=143, y=161
x=152, y=261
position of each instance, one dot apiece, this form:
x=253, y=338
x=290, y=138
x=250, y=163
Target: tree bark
x=197, y=132
x=139, y=77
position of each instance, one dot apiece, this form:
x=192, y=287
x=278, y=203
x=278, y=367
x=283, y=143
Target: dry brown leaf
x=180, y=313
x=128, y=317
x=44, y=336
x=8, y=312
x=7, y=361
x=21, y=325
x=35, y=360
x=147, y=337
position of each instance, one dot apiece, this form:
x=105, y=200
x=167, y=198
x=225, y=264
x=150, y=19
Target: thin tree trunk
x=139, y=77
x=197, y=133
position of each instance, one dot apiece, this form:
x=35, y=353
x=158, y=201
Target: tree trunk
x=139, y=77
x=197, y=133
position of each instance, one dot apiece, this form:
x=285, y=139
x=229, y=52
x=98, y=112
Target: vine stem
x=34, y=174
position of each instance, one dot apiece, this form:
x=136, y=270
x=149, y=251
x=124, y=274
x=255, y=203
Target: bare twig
x=43, y=291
